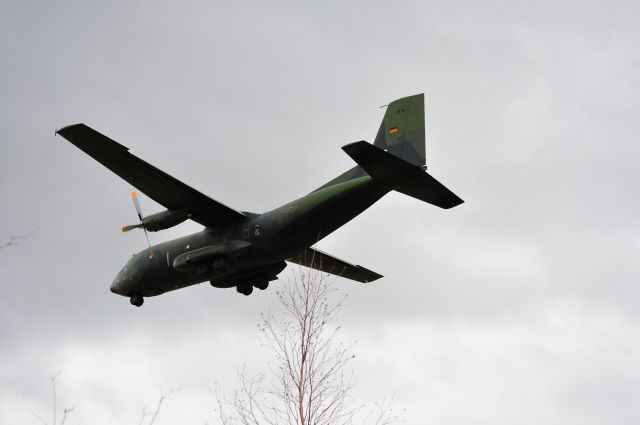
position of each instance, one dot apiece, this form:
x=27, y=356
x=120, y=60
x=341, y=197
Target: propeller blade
x=134, y=196
x=133, y=226
x=148, y=243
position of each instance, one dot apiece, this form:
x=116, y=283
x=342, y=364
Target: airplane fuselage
x=257, y=246
x=247, y=250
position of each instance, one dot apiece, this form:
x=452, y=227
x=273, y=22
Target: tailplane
x=398, y=174
x=397, y=157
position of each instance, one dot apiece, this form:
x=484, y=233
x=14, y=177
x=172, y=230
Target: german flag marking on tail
x=393, y=130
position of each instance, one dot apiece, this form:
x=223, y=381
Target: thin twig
x=38, y=417
x=13, y=239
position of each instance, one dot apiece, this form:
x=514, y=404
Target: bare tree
x=152, y=415
x=65, y=412
x=311, y=385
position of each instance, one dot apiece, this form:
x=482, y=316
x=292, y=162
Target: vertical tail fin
x=402, y=130
x=401, y=134
x=397, y=156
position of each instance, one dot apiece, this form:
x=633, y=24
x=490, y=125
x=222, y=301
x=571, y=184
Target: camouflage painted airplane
x=244, y=250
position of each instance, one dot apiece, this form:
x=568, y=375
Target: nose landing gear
x=137, y=300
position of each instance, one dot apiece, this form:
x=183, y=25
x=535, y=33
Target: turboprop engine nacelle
x=164, y=219
x=160, y=221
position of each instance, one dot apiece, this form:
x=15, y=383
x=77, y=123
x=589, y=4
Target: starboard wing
x=322, y=261
x=155, y=183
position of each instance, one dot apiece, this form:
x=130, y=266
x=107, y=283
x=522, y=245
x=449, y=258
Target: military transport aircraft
x=244, y=250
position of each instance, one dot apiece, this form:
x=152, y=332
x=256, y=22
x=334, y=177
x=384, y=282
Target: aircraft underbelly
x=159, y=276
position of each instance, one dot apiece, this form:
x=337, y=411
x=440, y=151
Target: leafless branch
x=312, y=385
x=154, y=414
x=382, y=413
x=54, y=395
x=144, y=415
x=38, y=417
x=13, y=240
x=65, y=414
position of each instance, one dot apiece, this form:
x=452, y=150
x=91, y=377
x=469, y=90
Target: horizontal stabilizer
x=319, y=260
x=379, y=164
x=427, y=189
x=402, y=176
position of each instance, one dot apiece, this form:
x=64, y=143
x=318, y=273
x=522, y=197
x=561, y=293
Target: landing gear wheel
x=261, y=283
x=137, y=300
x=245, y=289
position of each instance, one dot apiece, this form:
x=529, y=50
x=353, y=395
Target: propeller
x=134, y=196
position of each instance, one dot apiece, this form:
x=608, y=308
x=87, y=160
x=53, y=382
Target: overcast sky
x=519, y=306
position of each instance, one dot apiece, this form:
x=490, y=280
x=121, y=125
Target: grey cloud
x=530, y=118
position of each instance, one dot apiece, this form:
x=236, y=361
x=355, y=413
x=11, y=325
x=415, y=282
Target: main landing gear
x=137, y=300
x=246, y=288
x=260, y=282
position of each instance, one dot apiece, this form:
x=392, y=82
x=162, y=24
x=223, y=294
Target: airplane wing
x=322, y=261
x=155, y=183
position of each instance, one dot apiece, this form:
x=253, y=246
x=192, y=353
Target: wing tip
x=67, y=128
x=452, y=203
x=85, y=137
x=372, y=277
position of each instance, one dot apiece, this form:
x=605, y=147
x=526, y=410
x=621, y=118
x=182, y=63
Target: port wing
x=155, y=183
x=322, y=261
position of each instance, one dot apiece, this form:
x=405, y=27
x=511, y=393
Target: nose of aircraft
x=114, y=286
x=118, y=283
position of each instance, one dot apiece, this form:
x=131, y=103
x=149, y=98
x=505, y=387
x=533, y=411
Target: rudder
x=402, y=130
